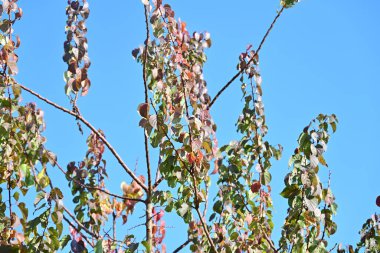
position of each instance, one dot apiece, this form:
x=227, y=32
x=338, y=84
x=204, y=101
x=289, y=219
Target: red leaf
x=255, y=187
x=378, y=201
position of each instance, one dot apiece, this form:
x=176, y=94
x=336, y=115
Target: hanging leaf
x=153, y=121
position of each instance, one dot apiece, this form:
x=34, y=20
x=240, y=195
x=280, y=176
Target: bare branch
x=250, y=61
x=84, y=121
x=182, y=246
x=336, y=244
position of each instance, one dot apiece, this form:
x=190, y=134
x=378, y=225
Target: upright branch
x=148, y=202
x=254, y=56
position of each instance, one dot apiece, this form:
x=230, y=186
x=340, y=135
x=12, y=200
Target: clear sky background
x=321, y=57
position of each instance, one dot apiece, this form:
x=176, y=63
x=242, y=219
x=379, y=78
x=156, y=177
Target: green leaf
x=334, y=208
x=98, y=247
x=218, y=207
x=16, y=196
x=322, y=160
x=333, y=126
x=57, y=217
x=234, y=236
x=65, y=240
x=29, y=180
x=39, y=197
x=266, y=177
x=290, y=191
x=146, y=245
x=24, y=210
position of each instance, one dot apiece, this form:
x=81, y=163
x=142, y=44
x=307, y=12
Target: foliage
x=176, y=120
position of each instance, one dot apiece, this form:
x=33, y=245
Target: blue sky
x=321, y=57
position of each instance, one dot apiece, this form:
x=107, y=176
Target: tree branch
x=271, y=244
x=148, y=201
x=206, y=230
x=250, y=61
x=84, y=121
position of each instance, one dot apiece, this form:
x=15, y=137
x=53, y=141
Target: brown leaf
x=125, y=218
x=255, y=186
x=143, y=110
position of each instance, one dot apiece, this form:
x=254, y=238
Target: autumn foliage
x=176, y=119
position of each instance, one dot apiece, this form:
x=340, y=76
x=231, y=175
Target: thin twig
x=336, y=244
x=136, y=226
x=271, y=244
x=250, y=61
x=183, y=245
x=84, y=121
x=79, y=223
